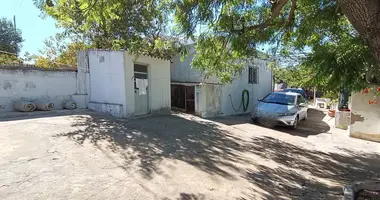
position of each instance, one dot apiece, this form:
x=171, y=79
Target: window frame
x=253, y=78
x=300, y=99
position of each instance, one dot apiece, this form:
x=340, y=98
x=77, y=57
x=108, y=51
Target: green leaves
x=319, y=45
x=59, y=52
x=137, y=26
x=10, y=37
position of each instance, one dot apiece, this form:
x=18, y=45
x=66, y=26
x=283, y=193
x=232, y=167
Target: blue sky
x=34, y=28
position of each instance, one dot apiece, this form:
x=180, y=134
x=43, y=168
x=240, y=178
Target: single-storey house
x=208, y=97
x=124, y=85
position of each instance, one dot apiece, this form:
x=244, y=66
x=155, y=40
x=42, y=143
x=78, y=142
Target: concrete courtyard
x=84, y=155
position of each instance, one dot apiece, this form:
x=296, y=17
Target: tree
x=236, y=27
x=138, y=26
x=10, y=37
x=10, y=42
x=58, y=52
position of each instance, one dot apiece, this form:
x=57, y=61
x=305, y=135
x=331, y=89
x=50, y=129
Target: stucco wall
x=107, y=84
x=158, y=83
x=207, y=100
x=181, y=71
x=112, y=82
x=226, y=96
x=33, y=84
x=365, y=117
x=234, y=90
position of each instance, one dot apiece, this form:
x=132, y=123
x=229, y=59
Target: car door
x=301, y=106
x=299, y=110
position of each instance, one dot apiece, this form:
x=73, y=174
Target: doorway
x=141, y=89
x=183, y=98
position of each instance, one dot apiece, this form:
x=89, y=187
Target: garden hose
x=243, y=102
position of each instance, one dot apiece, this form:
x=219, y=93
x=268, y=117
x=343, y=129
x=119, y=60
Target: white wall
x=112, y=82
x=32, y=84
x=208, y=100
x=365, y=117
x=240, y=83
x=181, y=71
x=158, y=80
x=107, y=84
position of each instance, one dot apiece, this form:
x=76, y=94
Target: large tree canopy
x=342, y=38
x=140, y=26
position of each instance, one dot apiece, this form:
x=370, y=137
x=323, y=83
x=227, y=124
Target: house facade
x=124, y=85
x=192, y=92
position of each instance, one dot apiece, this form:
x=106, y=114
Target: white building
x=123, y=85
x=207, y=97
x=365, y=116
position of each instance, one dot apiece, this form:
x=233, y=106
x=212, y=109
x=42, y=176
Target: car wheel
x=295, y=124
x=254, y=120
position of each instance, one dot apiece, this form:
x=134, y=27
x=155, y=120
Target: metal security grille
x=253, y=75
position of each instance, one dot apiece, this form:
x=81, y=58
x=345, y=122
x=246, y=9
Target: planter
x=331, y=113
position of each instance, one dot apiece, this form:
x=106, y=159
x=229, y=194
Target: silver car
x=286, y=108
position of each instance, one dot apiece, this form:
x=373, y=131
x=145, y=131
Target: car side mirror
x=303, y=104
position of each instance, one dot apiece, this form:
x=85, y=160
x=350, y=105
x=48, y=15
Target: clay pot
x=331, y=113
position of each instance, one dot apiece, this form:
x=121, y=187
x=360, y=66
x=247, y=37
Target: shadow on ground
x=148, y=140
x=187, y=196
x=314, y=125
x=307, y=174
x=233, y=120
x=296, y=172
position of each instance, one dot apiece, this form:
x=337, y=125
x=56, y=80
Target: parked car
x=297, y=90
x=286, y=108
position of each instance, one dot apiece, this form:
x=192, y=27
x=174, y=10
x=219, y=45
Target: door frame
x=148, y=90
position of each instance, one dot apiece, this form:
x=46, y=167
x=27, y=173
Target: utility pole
x=14, y=23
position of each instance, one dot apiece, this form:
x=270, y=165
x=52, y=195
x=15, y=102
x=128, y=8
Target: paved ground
x=89, y=156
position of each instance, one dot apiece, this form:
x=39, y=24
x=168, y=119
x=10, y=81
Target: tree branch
x=291, y=13
x=277, y=6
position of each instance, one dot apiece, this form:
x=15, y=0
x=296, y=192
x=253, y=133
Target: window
x=300, y=99
x=279, y=98
x=253, y=75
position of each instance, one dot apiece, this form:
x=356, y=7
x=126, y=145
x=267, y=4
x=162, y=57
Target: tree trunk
x=364, y=15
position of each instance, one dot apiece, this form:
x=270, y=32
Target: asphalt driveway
x=91, y=156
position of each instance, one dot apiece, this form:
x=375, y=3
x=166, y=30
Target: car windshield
x=280, y=98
